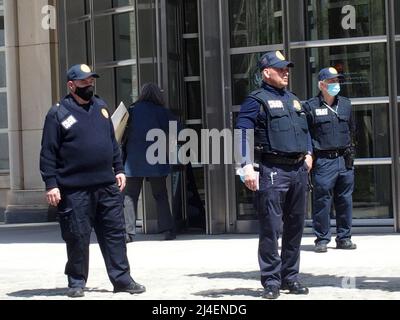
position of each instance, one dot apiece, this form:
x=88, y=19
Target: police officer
x=81, y=166
x=282, y=149
x=331, y=125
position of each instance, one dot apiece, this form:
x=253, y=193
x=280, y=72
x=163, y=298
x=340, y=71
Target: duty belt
x=282, y=159
x=330, y=154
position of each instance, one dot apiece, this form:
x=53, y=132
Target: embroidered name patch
x=69, y=122
x=275, y=104
x=321, y=112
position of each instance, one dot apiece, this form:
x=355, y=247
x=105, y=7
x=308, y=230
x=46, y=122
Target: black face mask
x=85, y=93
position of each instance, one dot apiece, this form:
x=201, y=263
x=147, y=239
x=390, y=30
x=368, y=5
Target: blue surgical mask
x=333, y=89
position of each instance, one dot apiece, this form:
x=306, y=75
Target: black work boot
x=345, y=244
x=271, y=292
x=75, y=292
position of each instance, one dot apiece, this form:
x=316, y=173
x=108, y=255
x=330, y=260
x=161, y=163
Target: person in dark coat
x=146, y=114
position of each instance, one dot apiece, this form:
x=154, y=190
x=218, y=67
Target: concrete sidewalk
x=195, y=267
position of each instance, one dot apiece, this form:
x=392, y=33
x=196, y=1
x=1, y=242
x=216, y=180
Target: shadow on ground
x=389, y=284
x=54, y=292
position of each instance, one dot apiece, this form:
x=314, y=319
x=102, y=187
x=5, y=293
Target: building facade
x=203, y=54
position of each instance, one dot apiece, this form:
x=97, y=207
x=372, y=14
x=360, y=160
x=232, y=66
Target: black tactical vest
x=281, y=126
x=330, y=131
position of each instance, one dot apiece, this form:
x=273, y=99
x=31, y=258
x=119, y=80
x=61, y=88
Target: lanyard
x=330, y=108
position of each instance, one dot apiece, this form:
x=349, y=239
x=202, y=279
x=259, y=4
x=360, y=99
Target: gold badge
x=280, y=56
x=333, y=71
x=85, y=68
x=105, y=113
x=297, y=105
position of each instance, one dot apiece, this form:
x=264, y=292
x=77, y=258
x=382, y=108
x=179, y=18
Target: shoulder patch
x=104, y=112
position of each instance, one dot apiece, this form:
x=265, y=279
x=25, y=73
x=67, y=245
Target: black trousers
x=282, y=199
x=101, y=208
x=160, y=194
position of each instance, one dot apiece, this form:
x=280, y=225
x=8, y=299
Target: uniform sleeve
x=353, y=129
x=310, y=121
x=49, y=149
x=117, y=159
x=245, y=123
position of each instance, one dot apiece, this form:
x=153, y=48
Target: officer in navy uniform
x=283, y=151
x=332, y=128
x=81, y=166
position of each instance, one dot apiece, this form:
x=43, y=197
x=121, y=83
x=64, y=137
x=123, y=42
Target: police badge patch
x=297, y=105
x=105, y=113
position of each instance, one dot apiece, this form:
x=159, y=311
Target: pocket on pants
x=67, y=225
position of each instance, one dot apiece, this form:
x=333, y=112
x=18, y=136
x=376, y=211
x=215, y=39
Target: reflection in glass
x=244, y=76
x=190, y=16
x=77, y=8
x=116, y=85
x=4, y=157
x=1, y=31
x=362, y=66
x=332, y=19
x=3, y=111
x=192, y=65
x=193, y=99
x=397, y=16
x=100, y=5
x=79, y=44
x=398, y=64
x=113, y=37
x=126, y=85
x=255, y=22
x=195, y=197
x=2, y=69
x=105, y=86
x=372, y=134
x=372, y=195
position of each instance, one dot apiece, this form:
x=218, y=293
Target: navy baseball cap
x=329, y=73
x=80, y=72
x=274, y=59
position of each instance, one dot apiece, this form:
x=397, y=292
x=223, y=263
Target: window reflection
x=4, y=158
x=77, y=8
x=192, y=65
x=365, y=74
x=372, y=134
x=3, y=112
x=113, y=37
x=370, y=199
x=190, y=16
x=244, y=75
x=332, y=19
x=79, y=44
x=2, y=69
x=116, y=85
x=193, y=99
x=397, y=16
x=1, y=30
x=255, y=22
x=100, y=5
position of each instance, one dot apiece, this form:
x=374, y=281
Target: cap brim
x=92, y=74
x=283, y=64
x=334, y=76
